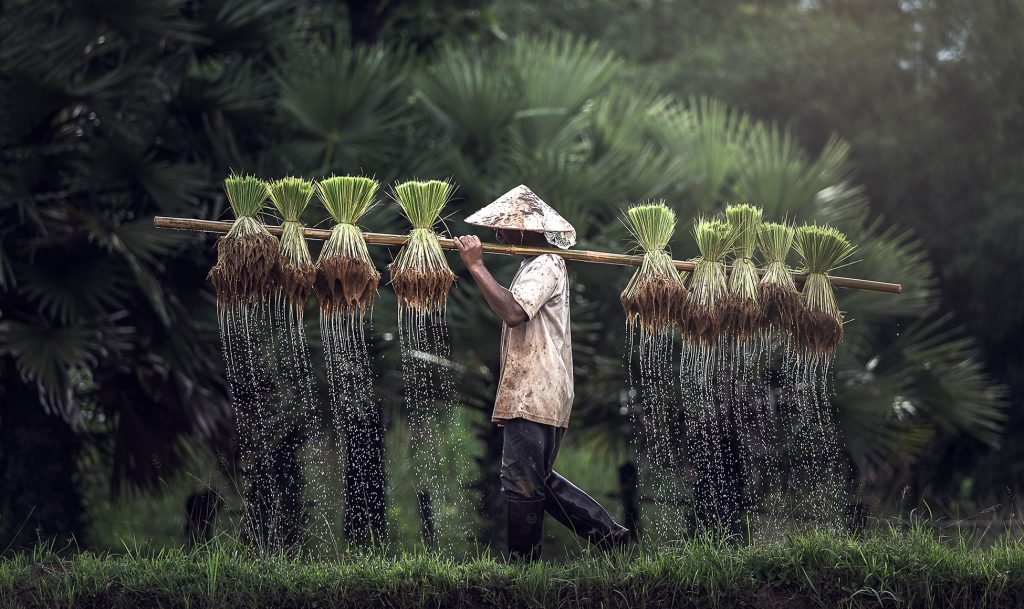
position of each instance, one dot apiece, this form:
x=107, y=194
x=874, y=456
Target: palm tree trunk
x=428, y=530
x=39, y=495
x=289, y=482
x=491, y=506
x=630, y=496
x=366, y=18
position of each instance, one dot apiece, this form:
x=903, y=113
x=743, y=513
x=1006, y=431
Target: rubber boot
x=581, y=514
x=525, y=529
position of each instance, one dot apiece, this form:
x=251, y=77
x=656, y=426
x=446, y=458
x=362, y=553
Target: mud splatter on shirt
x=536, y=357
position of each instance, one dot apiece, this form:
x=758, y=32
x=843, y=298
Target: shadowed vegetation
x=910, y=569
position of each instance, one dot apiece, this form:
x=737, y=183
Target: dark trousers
x=527, y=474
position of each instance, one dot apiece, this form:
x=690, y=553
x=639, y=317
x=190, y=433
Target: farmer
x=535, y=390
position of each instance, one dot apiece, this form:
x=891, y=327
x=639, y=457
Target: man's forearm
x=498, y=298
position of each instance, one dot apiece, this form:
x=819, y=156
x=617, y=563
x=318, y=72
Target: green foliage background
x=875, y=116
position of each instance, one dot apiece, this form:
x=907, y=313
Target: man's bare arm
x=499, y=299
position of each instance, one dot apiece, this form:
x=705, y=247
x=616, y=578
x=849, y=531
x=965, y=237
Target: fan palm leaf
x=471, y=98
x=349, y=106
x=250, y=27
x=707, y=136
x=779, y=174
x=558, y=75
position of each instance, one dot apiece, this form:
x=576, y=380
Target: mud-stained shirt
x=536, y=356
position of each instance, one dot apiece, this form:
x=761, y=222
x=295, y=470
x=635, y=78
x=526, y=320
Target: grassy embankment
x=887, y=569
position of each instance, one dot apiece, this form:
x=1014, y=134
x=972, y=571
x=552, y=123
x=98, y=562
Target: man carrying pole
x=535, y=391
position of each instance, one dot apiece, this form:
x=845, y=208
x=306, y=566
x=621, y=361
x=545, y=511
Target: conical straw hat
x=521, y=209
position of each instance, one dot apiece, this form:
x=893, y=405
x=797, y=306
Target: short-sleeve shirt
x=536, y=356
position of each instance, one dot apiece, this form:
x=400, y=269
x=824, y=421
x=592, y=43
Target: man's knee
x=519, y=483
x=523, y=460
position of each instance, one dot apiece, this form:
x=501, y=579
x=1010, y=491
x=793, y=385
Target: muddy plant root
x=345, y=283
x=654, y=303
x=741, y=317
x=246, y=268
x=422, y=289
x=818, y=334
x=295, y=282
x=702, y=325
x=780, y=309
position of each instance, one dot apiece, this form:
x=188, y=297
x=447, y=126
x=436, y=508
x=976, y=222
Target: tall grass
x=290, y=197
x=247, y=256
x=296, y=272
x=893, y=568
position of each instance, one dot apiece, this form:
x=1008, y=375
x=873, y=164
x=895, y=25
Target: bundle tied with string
x=346, y=279
x=820, y=327
x=741, y=310
x=295, y=271
x=420, y=274
x=780, y=300
x=702, y=317
x=654, y=297
x=247, y=256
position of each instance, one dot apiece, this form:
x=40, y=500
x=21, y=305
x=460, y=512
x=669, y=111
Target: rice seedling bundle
x=420, y=273
x=706, y=419
x=295, y=272
x=655, y=293
x=741, y=311
x=820, y=327
x=346, y=283
x=298, y=414
x=346, y=279
x=653, y=300
x=247, y=256
x=780, y=300
x=702, y=318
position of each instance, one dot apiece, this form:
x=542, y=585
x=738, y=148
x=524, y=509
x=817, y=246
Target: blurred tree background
x=899, y=122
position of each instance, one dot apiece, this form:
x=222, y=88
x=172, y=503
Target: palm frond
x=348, y=106
x=49, y=355
x=69, y=285
x=779, y=174
x=885, y=250
x=141, y=19
x=557, y=75
x=251, y=27
x=707, y=136
x=472, y=98
x=926, y=380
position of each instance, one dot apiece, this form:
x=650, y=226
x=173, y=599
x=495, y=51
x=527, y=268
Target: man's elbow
x=516, y=318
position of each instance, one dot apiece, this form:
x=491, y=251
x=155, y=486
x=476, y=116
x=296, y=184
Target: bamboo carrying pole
x=217, y=226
